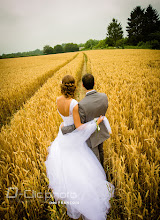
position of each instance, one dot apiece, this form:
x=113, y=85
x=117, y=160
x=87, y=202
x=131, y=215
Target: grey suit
x=92, y=106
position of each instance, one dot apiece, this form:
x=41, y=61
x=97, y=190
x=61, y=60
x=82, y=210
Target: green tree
x=114, y=31
x=102, y=44
x=38, y=52
x=152, y=24
x=48, y=49
x=109, y=41
x=135, y=26
x=91, y=43
x=70, y=47
x=143, y=25
x=120, y=43
x=58, y=49
x=81, y=45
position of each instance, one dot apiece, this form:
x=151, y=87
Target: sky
x=27, y=25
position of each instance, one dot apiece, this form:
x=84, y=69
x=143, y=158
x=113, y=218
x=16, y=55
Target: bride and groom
x=74, y=164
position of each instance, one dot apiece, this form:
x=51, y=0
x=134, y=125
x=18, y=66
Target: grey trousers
x=98, y=151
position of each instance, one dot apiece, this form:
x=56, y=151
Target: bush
x=91, y=43
x=144, y=45
x=70, y=47
x=102, y=45
x=140, y=44
x=155, y=44
x=120, y=43
x=48, y=49
x=58, y=49
x=109, y=41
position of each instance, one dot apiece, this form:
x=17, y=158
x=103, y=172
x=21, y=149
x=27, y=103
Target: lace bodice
x=68, y=120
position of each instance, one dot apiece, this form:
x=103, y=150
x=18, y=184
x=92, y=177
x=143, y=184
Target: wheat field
x=21, y=77
x=131, y=80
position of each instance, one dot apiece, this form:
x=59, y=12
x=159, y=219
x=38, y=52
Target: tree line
x=70, y=47
x=143, y=29
x=64, y=48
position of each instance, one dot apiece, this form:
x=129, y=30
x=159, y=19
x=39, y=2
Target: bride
x=75, y=174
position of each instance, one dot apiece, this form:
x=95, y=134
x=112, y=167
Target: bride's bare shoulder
x=59, y=97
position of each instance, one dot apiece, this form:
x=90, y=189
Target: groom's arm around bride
x=92, y=106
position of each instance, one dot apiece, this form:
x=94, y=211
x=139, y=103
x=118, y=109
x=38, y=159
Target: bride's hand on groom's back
x=62, y=125
x=100, y=119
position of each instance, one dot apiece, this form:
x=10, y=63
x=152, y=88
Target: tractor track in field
x=80, y=94
x=44, y=79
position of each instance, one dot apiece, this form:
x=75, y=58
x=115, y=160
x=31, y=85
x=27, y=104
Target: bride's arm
x=76, y=117
x=77, y=120
x=70, y=128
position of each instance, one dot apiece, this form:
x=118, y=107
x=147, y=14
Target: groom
x=92, y=106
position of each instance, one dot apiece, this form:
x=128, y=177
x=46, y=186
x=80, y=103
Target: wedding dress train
x=76, y=175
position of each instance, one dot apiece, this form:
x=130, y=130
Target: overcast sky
x=30, y=24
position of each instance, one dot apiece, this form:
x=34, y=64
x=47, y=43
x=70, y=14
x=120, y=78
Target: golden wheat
x=21, y=77
x=24, y=146
x=131, y=80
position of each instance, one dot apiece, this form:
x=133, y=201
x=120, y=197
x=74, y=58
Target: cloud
x=27, y=25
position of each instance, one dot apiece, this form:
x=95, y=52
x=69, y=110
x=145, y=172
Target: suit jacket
x=92, y=106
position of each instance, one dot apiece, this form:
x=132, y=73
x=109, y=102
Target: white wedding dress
x=75, y=174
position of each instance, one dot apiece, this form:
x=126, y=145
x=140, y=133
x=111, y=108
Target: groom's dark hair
x=88, y=81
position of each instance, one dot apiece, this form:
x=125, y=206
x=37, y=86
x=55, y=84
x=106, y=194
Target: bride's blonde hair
x=68, y=86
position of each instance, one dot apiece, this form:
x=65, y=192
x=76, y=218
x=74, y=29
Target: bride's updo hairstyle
x=68, y=86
